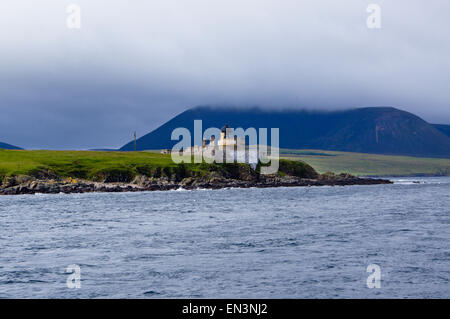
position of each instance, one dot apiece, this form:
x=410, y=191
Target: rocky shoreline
x=29, y=185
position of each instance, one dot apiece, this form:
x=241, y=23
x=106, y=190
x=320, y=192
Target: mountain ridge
x=377, y=130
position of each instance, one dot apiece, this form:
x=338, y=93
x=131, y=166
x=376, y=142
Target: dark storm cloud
x=134, y=66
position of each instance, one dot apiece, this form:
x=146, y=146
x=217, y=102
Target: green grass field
x=369, y=164
x=122, y=166
x=80, y=164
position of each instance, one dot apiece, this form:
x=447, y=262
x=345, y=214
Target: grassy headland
x=362, y=164
x=120, y=166
x=54, y=172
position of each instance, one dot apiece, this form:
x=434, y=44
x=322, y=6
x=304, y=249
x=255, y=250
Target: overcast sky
x=135, y=64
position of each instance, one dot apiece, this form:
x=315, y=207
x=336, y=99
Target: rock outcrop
x=32, y=185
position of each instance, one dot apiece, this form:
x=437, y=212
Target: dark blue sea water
x=305, y=242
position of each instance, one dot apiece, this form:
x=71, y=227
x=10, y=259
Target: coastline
x=29, y=185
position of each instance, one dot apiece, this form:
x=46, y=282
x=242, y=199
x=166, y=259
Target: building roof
x=224, y=129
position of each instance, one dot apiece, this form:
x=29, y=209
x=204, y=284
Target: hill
x=376, y=130
x=6, y=146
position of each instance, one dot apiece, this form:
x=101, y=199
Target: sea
x=377, y=241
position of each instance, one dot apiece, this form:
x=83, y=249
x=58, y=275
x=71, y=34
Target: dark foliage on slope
x=443, y=128
x=8, y=146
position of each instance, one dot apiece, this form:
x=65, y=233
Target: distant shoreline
x=370, y=165
x=406, y=176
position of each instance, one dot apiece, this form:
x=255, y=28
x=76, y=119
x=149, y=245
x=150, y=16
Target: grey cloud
x=134, y=65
